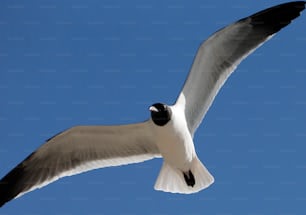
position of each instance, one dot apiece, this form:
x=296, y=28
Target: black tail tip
x=189, y=178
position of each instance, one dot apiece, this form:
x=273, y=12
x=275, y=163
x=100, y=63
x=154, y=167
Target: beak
x=153, y=109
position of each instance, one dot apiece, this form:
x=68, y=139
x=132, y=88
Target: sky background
x=68, y=63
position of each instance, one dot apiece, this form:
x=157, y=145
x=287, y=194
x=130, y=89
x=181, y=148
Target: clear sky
x=70, y=63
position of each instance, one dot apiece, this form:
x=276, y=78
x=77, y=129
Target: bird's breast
x=175, y=145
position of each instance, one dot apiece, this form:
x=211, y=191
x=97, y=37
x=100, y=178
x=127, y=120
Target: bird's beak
x=153, y=109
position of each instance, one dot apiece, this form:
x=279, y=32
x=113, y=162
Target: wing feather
x=219, y=56
x=77, y=150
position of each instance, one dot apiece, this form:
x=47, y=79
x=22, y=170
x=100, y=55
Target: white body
x=174, y=141
x=175, y=144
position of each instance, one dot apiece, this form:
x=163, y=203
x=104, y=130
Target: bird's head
x=160, y=114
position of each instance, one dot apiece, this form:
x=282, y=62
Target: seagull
x=169, y=131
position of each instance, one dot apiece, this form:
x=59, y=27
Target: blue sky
x=70, y=63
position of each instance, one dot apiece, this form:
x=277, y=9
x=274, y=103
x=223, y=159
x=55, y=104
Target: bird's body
x=182, y=171
x=170, y=130
x=175, y=142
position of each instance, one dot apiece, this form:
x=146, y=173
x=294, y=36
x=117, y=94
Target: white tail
x=172, y=180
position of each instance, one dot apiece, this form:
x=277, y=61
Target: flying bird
x=169, y=131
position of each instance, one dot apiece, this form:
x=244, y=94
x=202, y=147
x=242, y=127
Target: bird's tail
x=173, y=180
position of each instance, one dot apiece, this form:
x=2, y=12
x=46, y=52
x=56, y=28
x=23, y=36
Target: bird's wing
x=218, y=57
x=77, y=150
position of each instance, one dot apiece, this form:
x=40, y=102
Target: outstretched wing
x=77, y=150
x=219, y=56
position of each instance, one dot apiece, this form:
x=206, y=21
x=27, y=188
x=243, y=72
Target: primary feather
x=221, y=53
x=79, y=149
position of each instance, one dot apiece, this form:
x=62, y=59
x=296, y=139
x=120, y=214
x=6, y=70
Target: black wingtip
x=8, y=186
x=275, y=18
x=12, y=184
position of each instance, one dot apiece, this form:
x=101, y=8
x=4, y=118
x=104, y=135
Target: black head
x=160, y=114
